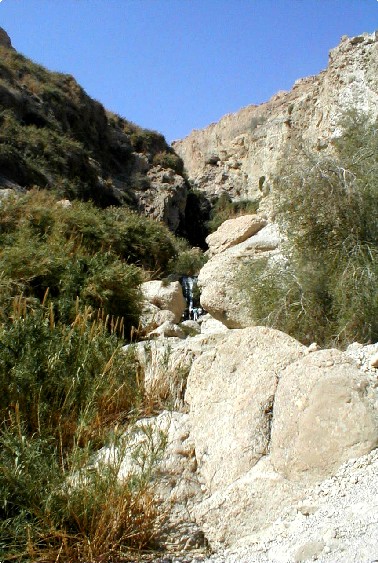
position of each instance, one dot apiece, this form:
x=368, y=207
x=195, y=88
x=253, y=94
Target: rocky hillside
x=53, y=135
x=242, y=152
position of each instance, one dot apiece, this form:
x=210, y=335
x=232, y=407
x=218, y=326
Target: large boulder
x=164, y=365
x=234, y=231
x=230, y=391
x=166, y=296
x=220, y=279
x=153, y=317
x=160, y=449
x=270, y=418
x=322, y=416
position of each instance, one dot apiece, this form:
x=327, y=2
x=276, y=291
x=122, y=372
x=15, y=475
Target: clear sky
x=178, y=65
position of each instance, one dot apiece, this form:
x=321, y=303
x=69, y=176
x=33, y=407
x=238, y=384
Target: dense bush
x=69, y=294
x=64, y=390
x=327, y=207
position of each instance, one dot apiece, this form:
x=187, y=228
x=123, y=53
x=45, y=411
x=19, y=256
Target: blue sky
x=178, y=65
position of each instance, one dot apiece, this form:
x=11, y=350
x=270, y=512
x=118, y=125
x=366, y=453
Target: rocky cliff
x=239, y=154
x=53, y=135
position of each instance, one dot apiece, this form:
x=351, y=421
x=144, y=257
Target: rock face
x=241, y=152
x=258, y=421
x=97, y=155
x=165, y=198
x=219, y=279
x=322, y=417
x=5, y=40
x=165, y=297
x=268, y=419
x=234, y=231
x=231, y=393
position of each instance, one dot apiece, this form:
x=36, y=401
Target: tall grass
x=65, y=389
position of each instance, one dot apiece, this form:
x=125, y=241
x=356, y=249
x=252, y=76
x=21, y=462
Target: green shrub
x=64, y=389
x=169, y=160
x=327, y=206
x=188, y=262
x=225, y=208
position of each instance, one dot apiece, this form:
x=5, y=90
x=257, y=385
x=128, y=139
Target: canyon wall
x=242, y=152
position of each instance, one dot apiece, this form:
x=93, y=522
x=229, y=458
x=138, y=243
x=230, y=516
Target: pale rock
x=64, y=203
x=234, y=231
x=222, y=294
x=165, y=296
x=258, y=137
x=230, y=392
x=167, y=330
x=164, y=365
x=191, y=327
x=152, y=317
x=322, y=416
x=246, y=506
x=209, y=325
x=162, y=448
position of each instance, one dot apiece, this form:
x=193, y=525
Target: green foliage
x=82, y=251
x=169, y=160
x=327, y=206
x=63, y=388
x=188, y=262
x=225, y=209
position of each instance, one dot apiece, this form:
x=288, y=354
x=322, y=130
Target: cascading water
x=193, y=310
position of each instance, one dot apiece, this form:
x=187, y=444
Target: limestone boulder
x=164, y=365
x=165, y=296
x=234, y=231
x=209, y=325
x=323, y=416
x=230, y=392
x=161, y=447
x=221, y=278
x=153, y=317
x=247, y=506
x=167, y=330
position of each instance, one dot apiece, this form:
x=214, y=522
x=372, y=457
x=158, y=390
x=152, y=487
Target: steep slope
x=53, y=135
x=239, y=154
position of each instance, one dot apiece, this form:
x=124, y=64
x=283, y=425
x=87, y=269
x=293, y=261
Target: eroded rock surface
x=222, y=293
x=240, y=154
x=165, y=296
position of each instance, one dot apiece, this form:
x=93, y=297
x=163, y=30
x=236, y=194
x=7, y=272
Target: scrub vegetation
x=327, y=207
x=69, y=298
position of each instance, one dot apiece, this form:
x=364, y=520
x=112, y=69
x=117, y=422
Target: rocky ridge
x=54, y=136
x=241, y=153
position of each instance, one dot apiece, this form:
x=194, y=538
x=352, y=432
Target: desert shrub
x=225, y=208
x=188, y=262
x=66, y=252
x=64, y=390
x=169, y=160
x=327, y=207
x=141, y=240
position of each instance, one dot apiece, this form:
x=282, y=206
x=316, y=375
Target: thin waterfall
x=193, y=310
